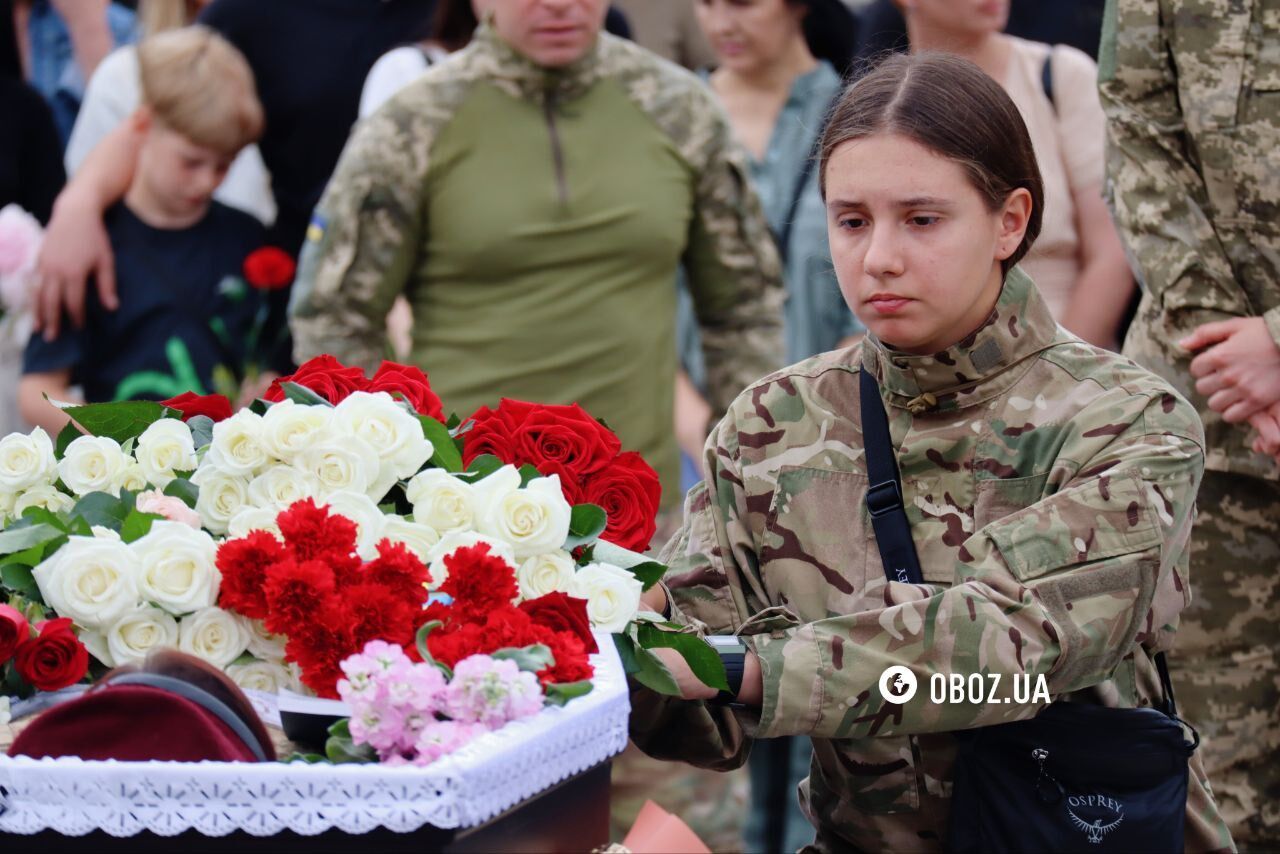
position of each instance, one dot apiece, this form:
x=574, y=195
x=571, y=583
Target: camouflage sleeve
x=1158, y=197
x=735, y=277
x=1064, y=587
x=362, y=242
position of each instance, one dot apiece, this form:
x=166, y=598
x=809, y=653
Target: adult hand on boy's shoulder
x=75, y=246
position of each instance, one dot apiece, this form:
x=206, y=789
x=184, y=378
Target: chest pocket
x=814, y=551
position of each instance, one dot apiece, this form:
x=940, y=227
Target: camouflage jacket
x=1192, y=94
x=1049, y=485
x=535, y=220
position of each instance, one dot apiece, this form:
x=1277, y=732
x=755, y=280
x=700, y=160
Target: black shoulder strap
x=884, y=492
x=200, y=697
x=1046, y=79
x=783, y=238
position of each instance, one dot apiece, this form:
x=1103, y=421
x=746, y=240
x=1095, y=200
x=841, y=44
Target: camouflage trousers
x=1226, y=665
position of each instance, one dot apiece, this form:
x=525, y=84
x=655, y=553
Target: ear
x=1014, y=217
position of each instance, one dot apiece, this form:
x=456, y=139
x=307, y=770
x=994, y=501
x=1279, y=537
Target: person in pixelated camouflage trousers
x=1192, y=93
x=1049, y=485
x=532, y=197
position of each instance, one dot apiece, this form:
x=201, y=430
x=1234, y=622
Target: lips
x=885, y=304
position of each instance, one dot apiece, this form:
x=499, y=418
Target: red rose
x=411, y=382
x=269, y=268
x=190, y=405
x=324, y=375
x=567, y=437
x=53, y=659
x=562, y=613
x=13, y=631
x=494, y=431
x=629, y=492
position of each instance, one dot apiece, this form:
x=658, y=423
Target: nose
x=883, y=258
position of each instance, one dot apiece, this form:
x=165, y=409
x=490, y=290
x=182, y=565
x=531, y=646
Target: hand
x=73, y=11
x=693, y=417
x=75, y=246
x=255, y=388
x=655, y=599
x=691, y=687
x=1240, y=374
x=1267, y=423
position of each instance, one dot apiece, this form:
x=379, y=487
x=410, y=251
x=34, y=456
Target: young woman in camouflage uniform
x=1049, y=485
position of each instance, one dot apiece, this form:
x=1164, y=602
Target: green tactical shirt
x=535, y=220
x=1191, y=89
x=1049, y=485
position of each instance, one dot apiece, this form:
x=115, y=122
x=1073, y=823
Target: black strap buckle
x=883, y=498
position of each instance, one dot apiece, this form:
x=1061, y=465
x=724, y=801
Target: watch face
x=726, y=643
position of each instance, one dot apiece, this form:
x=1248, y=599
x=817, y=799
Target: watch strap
x=734, y=664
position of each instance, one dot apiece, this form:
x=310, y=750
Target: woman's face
x=748, y=35
x=915, y=247
x=963, y=17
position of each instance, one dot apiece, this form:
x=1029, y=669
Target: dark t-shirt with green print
x=180, y=315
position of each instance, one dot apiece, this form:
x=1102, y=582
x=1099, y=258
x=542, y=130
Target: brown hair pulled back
x=954, y=109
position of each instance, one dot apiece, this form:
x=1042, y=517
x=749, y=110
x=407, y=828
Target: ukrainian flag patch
x=315, y=231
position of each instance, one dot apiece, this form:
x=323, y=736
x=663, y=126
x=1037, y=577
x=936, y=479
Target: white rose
x=90, y=580
x=279, y=487
x=419, y=539
x=457, y=540
x=265, y=676
x=290, y=428
x=6, y=713
x=26, y=461
x=442, y=501
x=222, y=496
x=612, y=594
x=92, y=464
x=176, y=567
x=359, y=508
x=534, y=519
x=102, y=532
x=263, y=644
x=390, y=428
x=47, y=496
x=214, y=635
x=346, y=464
x=165, y=447
x=254, y=519
x=131, y=477
x=539, y=575
x=238, y=445
x=96, y=643
x=8, y=505
x=138, y=632
x=491, y=489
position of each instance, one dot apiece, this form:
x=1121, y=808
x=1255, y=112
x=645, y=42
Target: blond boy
x=173, y=244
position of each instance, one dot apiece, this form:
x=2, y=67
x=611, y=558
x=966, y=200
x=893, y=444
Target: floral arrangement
x=341, y=509
x=20, y=239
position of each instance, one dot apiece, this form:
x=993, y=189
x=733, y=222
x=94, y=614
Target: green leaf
x=586, y=522
x=627, y=652
x=650, y=572
x=20, y=539
x=184, y=489
x=78, y=527
x=201, y=430
x=532, y=658
x=137, y=524
x=104, y=509
x=68, y=435
x=453, y=422
x=19, y=579
x=259, y=406
x=420, y=640
x=445, y=454
x=528, y=472
x=607, y=552
x=702, y=659
x=41, y=516
x=653, y=674
x=559, y=693
x=121, y=421
x=302, y=394
x=309, y=758
x=341, y=748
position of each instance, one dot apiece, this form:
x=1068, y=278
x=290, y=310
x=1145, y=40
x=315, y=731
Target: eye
x=852, y=222
x=924, y=220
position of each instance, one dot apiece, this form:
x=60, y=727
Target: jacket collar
x=523, y=78
x=983, y=365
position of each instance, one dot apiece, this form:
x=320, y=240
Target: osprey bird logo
x=1097, y=830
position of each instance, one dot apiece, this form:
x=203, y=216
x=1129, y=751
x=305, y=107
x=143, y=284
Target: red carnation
x=324, y=375
x=629, y=492
x=562, y=613
x=313, y=533
x=374, y=612
x=244, y=563
x=411, y=382
x=54, y=659
x=295, y=591
x=319, y=647
x=13, y=631
x=571, y=662
x=450, y=647
x=269, y=268
x=191, y=404
x=400, y=570
x=478, y=581
x=567, y=437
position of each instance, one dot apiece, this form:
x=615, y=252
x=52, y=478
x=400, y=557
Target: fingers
x=1241, y=410
x=49, y=307
x=1268, y=440
x=1213, y=359
x=72, y=294
x=1209, y=333
x=105, y=272
x=1210, y=384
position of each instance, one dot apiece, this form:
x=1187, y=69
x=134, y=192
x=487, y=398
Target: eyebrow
x=912, y=202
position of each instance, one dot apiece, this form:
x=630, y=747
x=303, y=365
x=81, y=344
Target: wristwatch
x=733, y=654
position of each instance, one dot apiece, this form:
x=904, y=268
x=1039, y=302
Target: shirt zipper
x=557, y=154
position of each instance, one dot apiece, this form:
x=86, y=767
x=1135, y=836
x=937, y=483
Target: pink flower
x=20, y=236
x=442, y=738
x=172, y=508
x=491, y=692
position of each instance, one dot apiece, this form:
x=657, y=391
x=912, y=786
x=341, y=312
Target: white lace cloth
x=490, y=775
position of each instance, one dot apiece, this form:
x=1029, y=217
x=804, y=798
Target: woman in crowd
x=1048, y=486
x=1078, y=263
x=113, y=94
